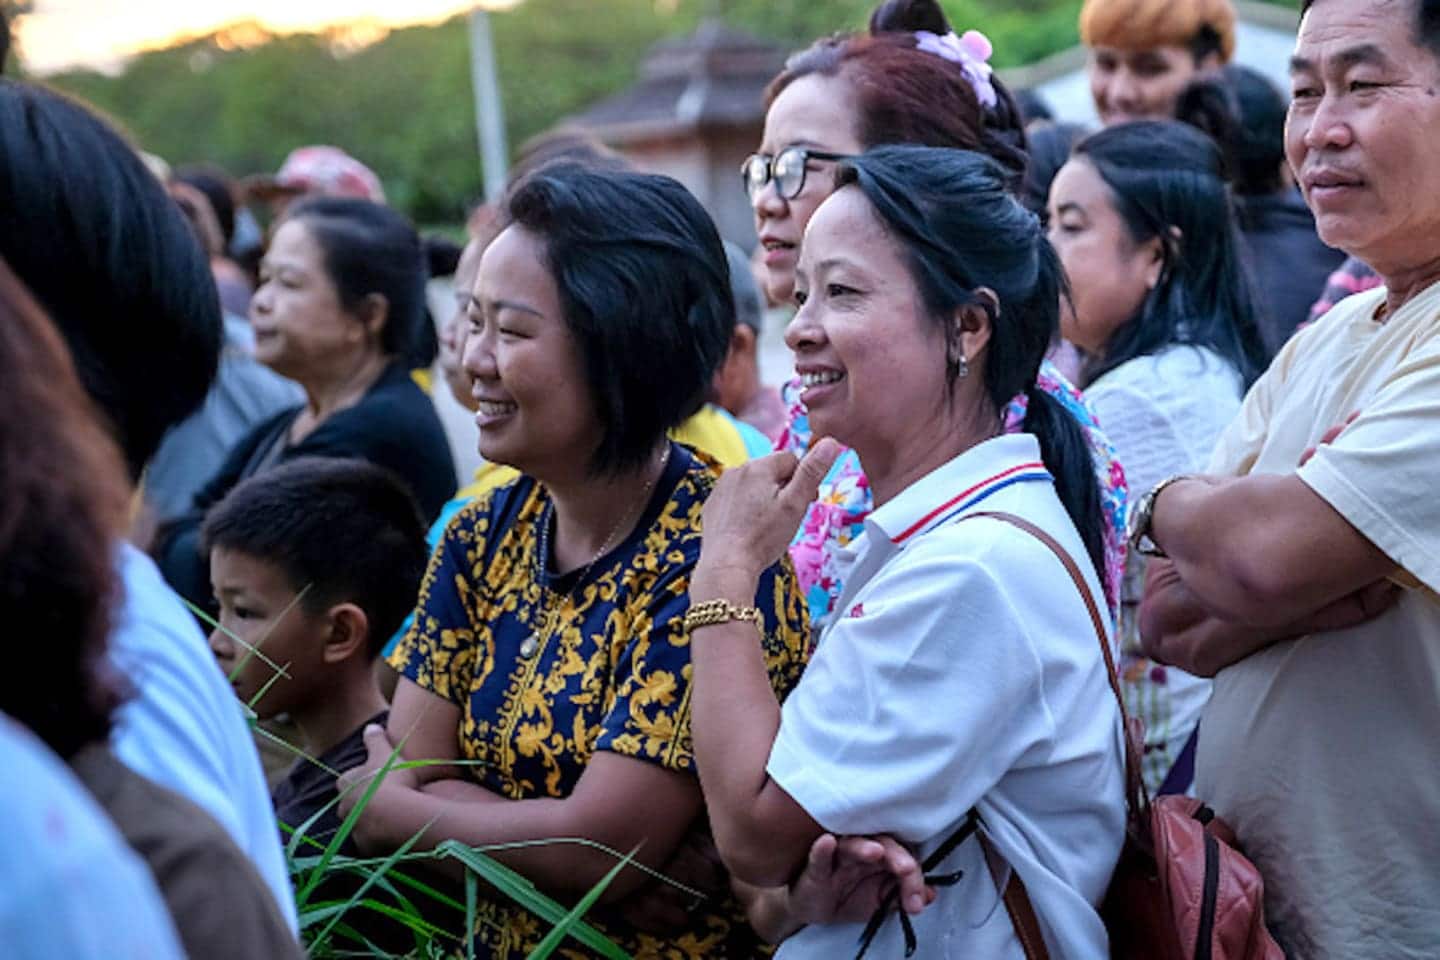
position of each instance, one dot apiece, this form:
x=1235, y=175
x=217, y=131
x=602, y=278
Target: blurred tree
x=243, y=98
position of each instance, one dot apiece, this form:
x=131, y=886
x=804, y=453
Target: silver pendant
x=530, y=647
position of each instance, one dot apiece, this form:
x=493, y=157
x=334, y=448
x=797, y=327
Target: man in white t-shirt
x=1303, y=570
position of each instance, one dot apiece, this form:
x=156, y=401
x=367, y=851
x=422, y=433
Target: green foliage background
x=404, y=105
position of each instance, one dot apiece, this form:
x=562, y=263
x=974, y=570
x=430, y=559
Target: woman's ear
x=1163, y=250
x=374, y=313
x=968, y=333
x=349, y=633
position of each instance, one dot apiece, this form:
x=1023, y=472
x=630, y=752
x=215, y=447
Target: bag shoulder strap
x=1135, y=797
x=1096, y=619
x=1017, y=904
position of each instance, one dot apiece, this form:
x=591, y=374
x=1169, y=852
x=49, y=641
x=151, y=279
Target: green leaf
x=472, y=907
x=567, y=924
x=359, y=894
x=347, y=826
x=523, y=892
x=251, y=650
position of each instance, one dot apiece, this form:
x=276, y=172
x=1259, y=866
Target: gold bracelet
x=711, y=612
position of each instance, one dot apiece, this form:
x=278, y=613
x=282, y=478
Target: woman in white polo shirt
x=962, y=676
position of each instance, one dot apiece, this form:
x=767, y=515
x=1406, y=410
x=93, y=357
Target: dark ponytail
x=962, y=230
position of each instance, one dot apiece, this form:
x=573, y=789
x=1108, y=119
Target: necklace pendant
x=530, y=646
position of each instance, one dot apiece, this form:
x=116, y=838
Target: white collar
x=957, y=487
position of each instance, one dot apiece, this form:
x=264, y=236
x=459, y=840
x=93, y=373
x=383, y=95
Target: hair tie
x=972, y=52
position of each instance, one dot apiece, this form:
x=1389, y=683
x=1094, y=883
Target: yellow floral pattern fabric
x=611, y=669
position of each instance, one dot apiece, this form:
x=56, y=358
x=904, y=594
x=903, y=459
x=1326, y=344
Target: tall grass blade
x=525, y=894
x=358, y=895
x=302, y=896
x=563, y=929
x=472, y=907
x=251, y=650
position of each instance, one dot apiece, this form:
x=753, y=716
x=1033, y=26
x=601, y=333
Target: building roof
x=713, y=78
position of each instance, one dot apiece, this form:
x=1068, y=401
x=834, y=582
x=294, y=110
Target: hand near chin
x=755, y=509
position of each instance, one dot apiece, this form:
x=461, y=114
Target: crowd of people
x=831, y=660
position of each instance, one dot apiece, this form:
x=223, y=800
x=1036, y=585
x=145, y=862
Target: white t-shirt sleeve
x=1380, y=473
x=184, y=728
x=914, y=705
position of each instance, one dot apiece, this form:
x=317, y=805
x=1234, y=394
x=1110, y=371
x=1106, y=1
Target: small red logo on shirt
x=856, y=611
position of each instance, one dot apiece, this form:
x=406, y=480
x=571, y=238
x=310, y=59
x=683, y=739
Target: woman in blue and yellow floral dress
x=548, y=654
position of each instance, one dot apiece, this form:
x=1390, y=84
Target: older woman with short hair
x=548, y=648
x=341, y=298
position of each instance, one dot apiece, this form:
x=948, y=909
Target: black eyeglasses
x=786, y=168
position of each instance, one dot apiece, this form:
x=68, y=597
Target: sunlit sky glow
x=99, y=33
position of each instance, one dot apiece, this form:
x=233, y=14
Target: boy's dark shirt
x=309, y=786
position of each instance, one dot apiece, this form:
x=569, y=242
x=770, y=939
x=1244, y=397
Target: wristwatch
x=1142, y=515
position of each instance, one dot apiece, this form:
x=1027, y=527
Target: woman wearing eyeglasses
x=911, y=80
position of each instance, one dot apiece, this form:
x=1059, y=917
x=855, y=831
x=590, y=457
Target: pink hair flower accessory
x=971, y=52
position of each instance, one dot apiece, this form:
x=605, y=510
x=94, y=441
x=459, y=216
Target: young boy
x=314, y=564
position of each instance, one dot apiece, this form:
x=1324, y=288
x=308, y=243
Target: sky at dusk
x=98, y=33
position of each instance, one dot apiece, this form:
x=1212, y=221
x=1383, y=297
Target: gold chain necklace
x=549, y=604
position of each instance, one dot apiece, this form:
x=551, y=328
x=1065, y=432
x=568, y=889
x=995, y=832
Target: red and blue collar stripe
x=966, y=499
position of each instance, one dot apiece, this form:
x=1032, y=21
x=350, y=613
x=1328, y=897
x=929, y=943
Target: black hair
x=645, y=290
x=563, y=145
x=64, y=490
x=370, y=249
x=1426, y=23
x=961, y=229
x=216, y=187
x=1166, y=177
x=749, y=305
x=1050, y=146
x=1033, y=107
x=1244, y=114
x=442, y=255
x=342, y=531
x=1205, y=42
x=111, y=259
x=4, y=39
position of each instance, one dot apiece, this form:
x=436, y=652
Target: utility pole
x=489, y=109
